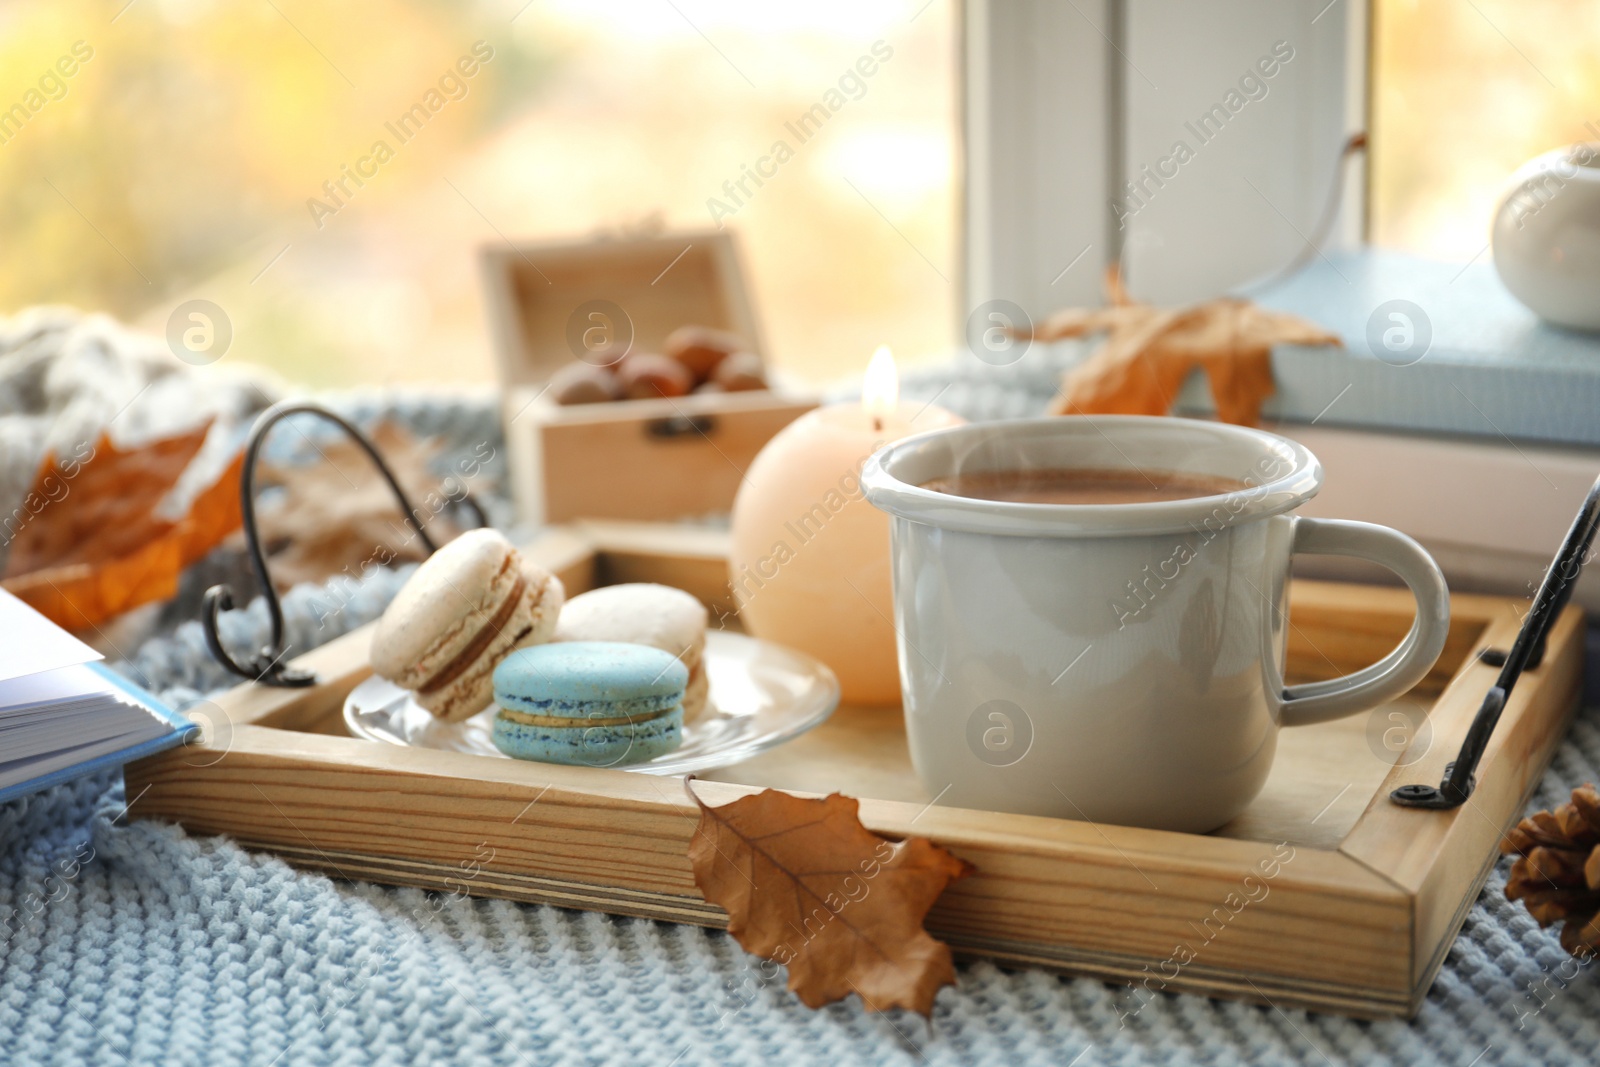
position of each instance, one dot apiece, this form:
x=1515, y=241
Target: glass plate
x=761, y=695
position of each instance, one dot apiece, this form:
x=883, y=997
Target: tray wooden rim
x=1397, y=888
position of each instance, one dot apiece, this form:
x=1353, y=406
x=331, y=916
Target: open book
x=62, y=714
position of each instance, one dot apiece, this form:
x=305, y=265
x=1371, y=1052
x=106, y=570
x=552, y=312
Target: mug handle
x=1411, y=659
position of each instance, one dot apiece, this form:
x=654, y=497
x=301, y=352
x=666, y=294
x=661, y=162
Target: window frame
x=1055, y=117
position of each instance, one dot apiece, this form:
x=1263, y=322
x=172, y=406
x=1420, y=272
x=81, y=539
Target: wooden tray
x=1363, y=900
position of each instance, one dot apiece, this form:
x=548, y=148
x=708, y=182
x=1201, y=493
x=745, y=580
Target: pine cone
x=1557, y=872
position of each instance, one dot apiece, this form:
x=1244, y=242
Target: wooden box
x=634, y=459
x=1322, y=894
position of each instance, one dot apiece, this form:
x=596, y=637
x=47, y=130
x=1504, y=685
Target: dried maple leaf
x=1149, y=351
x=337, y=515
x=99, y=546
x=806, y=885
x=101, y=505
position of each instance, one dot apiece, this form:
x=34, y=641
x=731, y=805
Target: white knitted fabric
x=136, y=943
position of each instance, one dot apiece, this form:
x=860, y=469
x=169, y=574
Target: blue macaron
x=590, y=703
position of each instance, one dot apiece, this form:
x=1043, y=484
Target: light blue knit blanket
x=132, y=942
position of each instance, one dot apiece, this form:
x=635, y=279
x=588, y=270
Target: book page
x=30, y=643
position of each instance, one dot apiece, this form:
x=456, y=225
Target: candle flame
x=880, y=386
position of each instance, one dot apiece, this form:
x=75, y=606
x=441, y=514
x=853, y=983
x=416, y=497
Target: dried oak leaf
x=337, y=515
x=97, y=545
x=806, y=885
x=1149, y=352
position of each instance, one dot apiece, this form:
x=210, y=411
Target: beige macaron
x=642, y=613
x=466, y=608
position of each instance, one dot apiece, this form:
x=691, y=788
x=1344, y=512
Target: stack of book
x=1452, y=412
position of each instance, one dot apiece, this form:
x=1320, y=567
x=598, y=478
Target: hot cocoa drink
x=1084, y=486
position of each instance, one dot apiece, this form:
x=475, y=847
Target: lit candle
x=810, y=557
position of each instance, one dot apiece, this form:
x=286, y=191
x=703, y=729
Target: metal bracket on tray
x=1526, y=653
x=267, y=666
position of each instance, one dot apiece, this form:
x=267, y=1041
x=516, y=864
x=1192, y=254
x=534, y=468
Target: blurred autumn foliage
x=194, y=127
x=179, y=162
x=1463, y=94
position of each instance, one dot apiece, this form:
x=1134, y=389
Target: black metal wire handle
x=267, y=666
x=1527, y=652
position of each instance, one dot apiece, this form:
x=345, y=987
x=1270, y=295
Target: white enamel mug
x=1118, y=663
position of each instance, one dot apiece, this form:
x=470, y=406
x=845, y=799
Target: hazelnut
x=740, y=372
x=605, y=356
x=646, y=375
x=580, y=383
x=700, y=348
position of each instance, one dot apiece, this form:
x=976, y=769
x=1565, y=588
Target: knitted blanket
x=133, y=942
